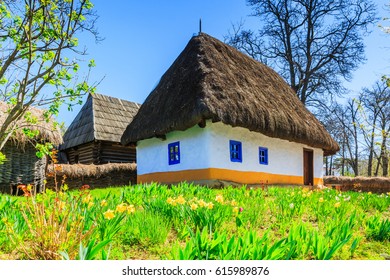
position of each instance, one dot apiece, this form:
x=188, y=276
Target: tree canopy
x=39, y=60
x=313, y=44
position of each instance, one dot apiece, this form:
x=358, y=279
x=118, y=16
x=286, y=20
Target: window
x=174, y=153
x=263, y=155
x=235, y=151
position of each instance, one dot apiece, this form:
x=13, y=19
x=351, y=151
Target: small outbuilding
x=218, y=115
x=94, y=135
x=22, y=166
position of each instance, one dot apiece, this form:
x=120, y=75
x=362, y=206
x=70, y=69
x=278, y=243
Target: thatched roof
x=213, y=81
x=101, y=118
x=47, y=131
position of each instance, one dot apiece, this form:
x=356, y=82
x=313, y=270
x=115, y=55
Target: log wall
x=100, y=152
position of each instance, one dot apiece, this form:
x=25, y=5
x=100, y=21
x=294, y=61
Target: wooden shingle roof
x=102, y=118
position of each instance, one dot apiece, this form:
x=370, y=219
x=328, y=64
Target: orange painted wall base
x=242, y=177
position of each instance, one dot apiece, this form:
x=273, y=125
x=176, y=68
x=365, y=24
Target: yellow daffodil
x=103, y=203
x=210, y=205
x=202, y=203
x=233, y=203
x=235, y=210
x=219, y=198
x=369, y=193
x=180, y=200
x=90, y=204
x=194, y=206
x=130, y=209
x=170, y=200
x=121, y=208
x=321, y=199
x=337, y=204
x=109, y=214
x=87, y=199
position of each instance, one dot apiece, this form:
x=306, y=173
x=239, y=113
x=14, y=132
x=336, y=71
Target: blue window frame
x=174, y=153
x=263, y=155
x=235, y=151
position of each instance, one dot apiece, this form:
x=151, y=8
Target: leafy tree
x=39, y=55
x=313, y=43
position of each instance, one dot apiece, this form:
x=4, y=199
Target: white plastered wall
x=152, y=154
x=284, y=157
x=209, y=148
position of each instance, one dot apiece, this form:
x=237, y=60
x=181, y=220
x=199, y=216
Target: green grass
x=194, y=222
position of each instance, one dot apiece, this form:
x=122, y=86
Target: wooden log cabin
x=94, y=135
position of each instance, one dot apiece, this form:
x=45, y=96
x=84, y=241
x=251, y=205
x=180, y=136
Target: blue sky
x=143, y=38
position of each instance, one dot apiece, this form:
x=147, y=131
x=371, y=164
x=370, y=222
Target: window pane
x=174, y=153
x=263, y=155
x=235, y=148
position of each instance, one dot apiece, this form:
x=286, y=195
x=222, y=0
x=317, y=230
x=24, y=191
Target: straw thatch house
x=94, y=135
x=22, y=165
x=218, y=115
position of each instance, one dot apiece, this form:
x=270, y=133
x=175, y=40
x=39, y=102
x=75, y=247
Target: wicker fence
x=22, y=167
x=366, y=184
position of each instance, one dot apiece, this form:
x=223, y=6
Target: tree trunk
x=385, y=157
x=343, y=156
x=371, y=153
x=326, y=166
x=377, y=166
x=385, y=166
x=331, y=166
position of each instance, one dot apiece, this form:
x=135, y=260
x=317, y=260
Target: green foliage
x=145, y=229
x=42, y=56
x=378, y=229
x=194, y=222
x=43, y=149
x=90, y=252
x=2, y=158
